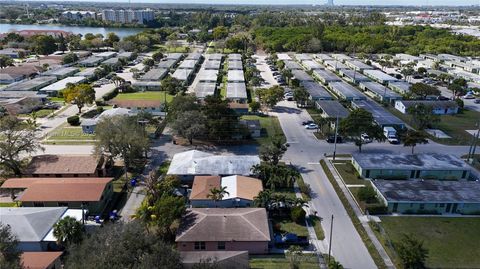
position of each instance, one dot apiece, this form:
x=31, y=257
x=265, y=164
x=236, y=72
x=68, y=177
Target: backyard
x=150, y=95
x=452, y=125
x=66, y=134
x=279, y=261
x=270, y=127
x=451, y=242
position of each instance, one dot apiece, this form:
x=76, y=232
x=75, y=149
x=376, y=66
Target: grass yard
x=66, y=132
x=451, y=242
x=270, y=127
x=279, y=261
x=170, y=49
x=348, y=173
x=452, y=125
x=286, y=225
x=157, y=95
x=41, y=113
x=12, y=204
x=316, y=222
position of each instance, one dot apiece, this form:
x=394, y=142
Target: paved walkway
x=363, y=219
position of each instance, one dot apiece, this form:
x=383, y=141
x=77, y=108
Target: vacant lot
x=70, y=135
x=279, y=261
x=270, y=127
x=451, y=242
x=144, y=96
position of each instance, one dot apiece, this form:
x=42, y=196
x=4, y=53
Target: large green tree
x=423, y=90
x=173, y=85
x=44, y=44
x=360, y=122
x=5, y=61
x=9, y=251
x=80, y=95
x=273, y=151
x=422, y=115
x=411, y=138
x=271, y=96
x=301, y=95
x=190, y=124
x=123, y=246
x=18, y=140
x=222, y=121
x=121, y=137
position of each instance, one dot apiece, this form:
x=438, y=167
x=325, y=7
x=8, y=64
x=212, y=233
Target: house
x=357, y=65
x=211, y=65
x=291, y=65
x=204, y=89
x=30, y=33
x=335, y=65
x=41, y=260
x=438, y=107
x=193, y=163
x=93, y=194
x=381, y=116
x=33, y=226
x=346, y=91
x=326, y=76
x=239, y=108
x=22, y=105
x=207, y=76
x=184, y=75
x=30, y=84
x=301, y=75
x=147, y=85
x=410, y=166
x=331, y=109
x=155, y=74
x=237, y=91
x=66, y=166
x=235, y=76
x=53, y=89
x=13, y=52
x=401, y=87
x=87, y=72
x=253, y=127
x=379, y=91
x=13, y=74
x=316, y=91
x=241, y=191
x=379, y=76
x=224, y=229
x=90, y=61
x=61, y=72
x=88, y=125
x=234, y=65
x=222, y=259
x=312, y=65
x=352, y=76
x=153, y=107
x=429, y=196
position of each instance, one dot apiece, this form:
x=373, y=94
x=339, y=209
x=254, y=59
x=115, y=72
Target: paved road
x=305, y=151
x=469, y=103
x=265, y=71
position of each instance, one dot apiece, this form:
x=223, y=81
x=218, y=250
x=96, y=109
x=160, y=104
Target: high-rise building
x=128, y=16
x=330, y=3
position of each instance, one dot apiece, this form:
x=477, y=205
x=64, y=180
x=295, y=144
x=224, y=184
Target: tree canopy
x=80, y=95
x=359, y=122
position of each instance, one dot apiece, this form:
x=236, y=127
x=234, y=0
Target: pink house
x=224, y=229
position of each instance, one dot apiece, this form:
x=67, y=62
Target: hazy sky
x=320, y=2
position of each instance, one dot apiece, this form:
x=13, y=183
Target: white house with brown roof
x=224, y=229
x=41, y=260
x=66, y=166
x=241, y=191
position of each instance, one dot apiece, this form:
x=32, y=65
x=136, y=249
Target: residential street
x=305, y=151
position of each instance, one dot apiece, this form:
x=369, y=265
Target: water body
x=121, y=32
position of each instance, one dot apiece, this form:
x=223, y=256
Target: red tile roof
x=39, y=260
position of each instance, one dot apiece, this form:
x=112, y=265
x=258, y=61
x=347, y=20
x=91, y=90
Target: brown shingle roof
x=18, y=183
x=65, y=189
x=224, y=224
x=62, y=164
x=136, y=103
x=24, y=70
x=202, y=185
x=39, y=260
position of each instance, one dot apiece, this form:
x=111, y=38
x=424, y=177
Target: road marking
x=313, y=163
x=292, y=142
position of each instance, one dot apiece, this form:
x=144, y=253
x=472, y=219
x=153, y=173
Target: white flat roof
x=62, y=84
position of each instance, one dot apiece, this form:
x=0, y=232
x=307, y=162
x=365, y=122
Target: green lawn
x=451, y=242
x=41, y=113
x=286, y=225
x=67, y=132
x=270, y=127
x=316, y=222
x=348, y=173
x=170, y=49
x=160, y=95
x=279, y=261
x=452, y=125
x=13, y=204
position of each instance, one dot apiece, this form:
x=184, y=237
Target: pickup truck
x=290, y=239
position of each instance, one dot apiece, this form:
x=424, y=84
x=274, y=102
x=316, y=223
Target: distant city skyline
x=306, y=2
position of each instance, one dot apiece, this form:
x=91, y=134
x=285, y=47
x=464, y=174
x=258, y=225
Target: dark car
x=307, y=122
x=331, y=139
x=477, y=101
x=443, y=98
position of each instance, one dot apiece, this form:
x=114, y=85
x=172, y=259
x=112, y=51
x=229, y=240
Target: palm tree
x=217, y=194
x=68, y=230
x=263, y=199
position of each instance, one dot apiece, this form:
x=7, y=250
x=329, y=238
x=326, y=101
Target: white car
x=469, y=96
x=365, y=138
x=311, y=126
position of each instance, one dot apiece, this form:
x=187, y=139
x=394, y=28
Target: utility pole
x=330, y=244
x=335, y=140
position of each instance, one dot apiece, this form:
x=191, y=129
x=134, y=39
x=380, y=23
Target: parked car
x=365, y=138
x=477, y=101
x=443, y=98
x=331, y=139
x=307, y=122
x=311, y=126
x=290, y=239
x=469, y=96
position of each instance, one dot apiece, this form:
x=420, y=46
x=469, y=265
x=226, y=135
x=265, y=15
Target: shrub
x=110, y=95
x=73, y=120
x=297, y=214
x=367, y=194
x=100, y=102
x=99, y=109
x=376, y=209
x=305, y=188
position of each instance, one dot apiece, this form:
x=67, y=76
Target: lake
x=121, y=32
